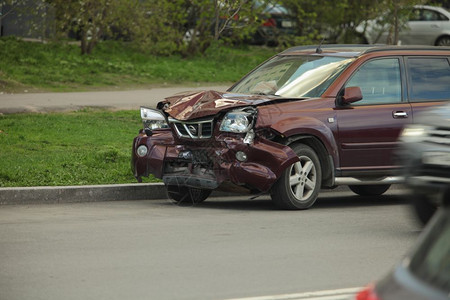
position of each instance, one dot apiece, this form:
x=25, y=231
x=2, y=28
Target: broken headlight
x=153, y=119
x=238, y=121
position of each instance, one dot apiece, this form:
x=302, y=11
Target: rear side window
x=426, y=15
x=429, y=79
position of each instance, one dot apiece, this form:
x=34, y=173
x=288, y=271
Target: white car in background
x=427, y=25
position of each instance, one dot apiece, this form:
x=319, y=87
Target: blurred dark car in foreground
x=425, y=153
x=424, y=274
x=308, y=118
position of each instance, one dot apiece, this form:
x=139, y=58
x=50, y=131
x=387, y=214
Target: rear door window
x=428, y=78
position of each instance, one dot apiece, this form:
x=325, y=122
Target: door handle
x=399, y=114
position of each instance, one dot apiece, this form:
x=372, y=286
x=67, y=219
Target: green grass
x=84, y=147
x=91, y=146
x=61, y=67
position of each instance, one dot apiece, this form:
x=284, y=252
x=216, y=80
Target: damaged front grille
x=194, y=129
x=205, y=157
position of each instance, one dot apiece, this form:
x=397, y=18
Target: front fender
x=303, y=125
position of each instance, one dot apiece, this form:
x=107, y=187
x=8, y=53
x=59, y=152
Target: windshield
x=293, y=76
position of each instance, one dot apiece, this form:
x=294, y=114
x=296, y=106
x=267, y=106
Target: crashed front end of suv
x=201, y=141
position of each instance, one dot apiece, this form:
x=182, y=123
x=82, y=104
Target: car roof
x=348, y=50
x=435, y=8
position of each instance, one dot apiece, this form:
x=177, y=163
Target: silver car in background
x=426, y=25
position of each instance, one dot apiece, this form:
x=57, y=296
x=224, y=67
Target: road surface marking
x=339, y=294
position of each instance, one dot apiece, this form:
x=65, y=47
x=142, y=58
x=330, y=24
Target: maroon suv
x=306, y=119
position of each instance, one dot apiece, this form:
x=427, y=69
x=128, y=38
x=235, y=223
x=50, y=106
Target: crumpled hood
x=197, y=104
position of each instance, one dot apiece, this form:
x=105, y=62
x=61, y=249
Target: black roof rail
x=327, y=46
x=406, y=47
x=367, y=48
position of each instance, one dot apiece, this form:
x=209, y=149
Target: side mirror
x=351, y=94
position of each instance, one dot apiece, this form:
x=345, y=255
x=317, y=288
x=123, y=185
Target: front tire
x=299, y=185
x=369, y=190
x=184, y=194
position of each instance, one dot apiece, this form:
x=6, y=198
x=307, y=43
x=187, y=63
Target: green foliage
x=231, y=21
x=84, y=147
x=89, y=19
x=60, y=67
x=156, y=26
x=394, y=17
x=336, y=21
x=189, y=27
x=36, y=21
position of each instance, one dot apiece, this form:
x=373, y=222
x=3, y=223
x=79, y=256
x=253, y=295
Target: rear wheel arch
x=443, y=40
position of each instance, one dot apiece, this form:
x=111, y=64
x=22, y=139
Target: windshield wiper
x=265, y=94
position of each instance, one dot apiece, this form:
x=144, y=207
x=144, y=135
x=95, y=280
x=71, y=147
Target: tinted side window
x=379, y=81
x=426, y=15
x=429, y=79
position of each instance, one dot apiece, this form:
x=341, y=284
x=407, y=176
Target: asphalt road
x=129, y=99
x=221, y=249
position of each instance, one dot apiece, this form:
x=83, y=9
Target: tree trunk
x=84, y=43
x=217, y=19
x=396, y=27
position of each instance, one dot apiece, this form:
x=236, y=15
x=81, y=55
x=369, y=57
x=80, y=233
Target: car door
x=368, y=129
x=423, y=28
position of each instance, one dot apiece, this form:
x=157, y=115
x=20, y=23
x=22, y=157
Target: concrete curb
x=98, y=193
x=86, y=193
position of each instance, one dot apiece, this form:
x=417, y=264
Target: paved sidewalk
x=131, y=99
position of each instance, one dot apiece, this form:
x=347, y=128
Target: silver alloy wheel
x=299, y=185
x=303, y=178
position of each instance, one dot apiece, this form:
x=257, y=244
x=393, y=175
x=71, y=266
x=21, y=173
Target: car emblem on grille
x=192, y=129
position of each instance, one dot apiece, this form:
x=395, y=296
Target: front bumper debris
x=211, y=163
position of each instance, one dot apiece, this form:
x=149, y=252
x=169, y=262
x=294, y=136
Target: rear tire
x=369, y=190
x=443, y=41
x=299, y=185
x=184, y=194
